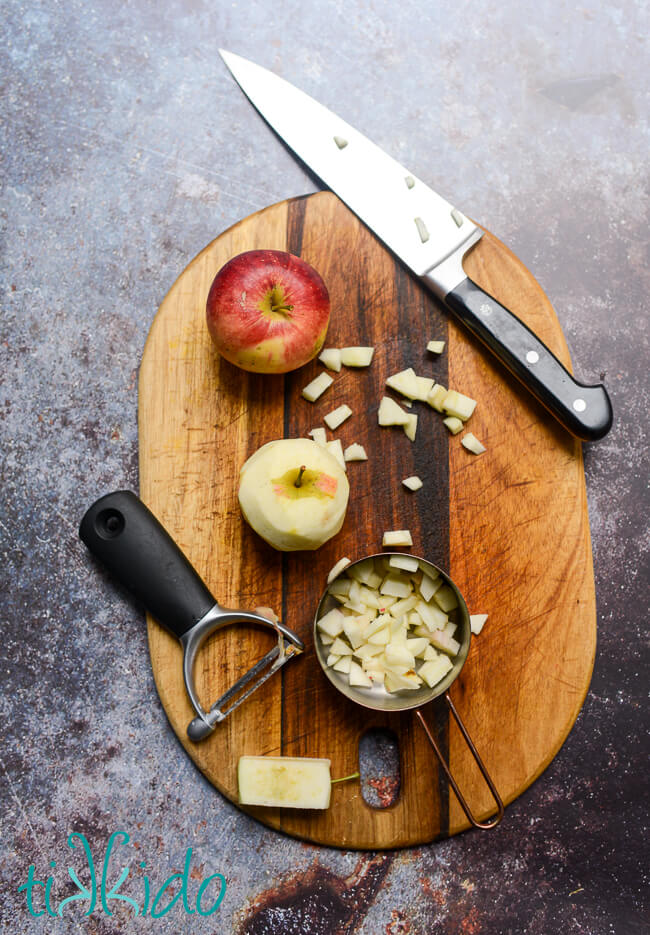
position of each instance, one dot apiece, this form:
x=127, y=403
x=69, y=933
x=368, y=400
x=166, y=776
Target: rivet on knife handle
x=585, y=411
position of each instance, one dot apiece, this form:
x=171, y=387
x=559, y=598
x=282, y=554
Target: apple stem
x=345, y=778
x=298, y=480
x=282, y=308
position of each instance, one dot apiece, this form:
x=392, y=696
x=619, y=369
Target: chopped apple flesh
x=477, y=622
x=317, y=387
x=319, y=435
x=331, y=358
x=284, y=781
x=337, y=416
x=337, y=569
x=336, y=448
x=356, y=356
x=395, y=634
x=437, y=396
x=355, y=452
x=424, y=385
x=453, y=424
x=390, y=413
x=399, y=538
x=456, y=404
x=404, y=382
x=410, y=426
x=436, y=347
x=472, y=444
x=412, y=483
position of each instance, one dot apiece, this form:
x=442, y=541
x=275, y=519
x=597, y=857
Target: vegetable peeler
x=125, y=535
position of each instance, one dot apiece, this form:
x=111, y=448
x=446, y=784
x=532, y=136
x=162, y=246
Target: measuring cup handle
x=126, y=536
x=484, y=825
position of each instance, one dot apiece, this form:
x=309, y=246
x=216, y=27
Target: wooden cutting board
x=510, y=526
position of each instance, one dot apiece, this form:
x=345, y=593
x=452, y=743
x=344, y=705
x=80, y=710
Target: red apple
x=268, y=311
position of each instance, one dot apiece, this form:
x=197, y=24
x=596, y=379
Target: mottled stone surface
x=125, y=149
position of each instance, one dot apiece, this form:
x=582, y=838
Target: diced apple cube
x=317, y=387
x=337, y=416
x=472, y=444
x=370, y=598
x=340, y=586
x=432, y=617
x=362, y=571
x=411, y=426
x=397, y=538
x=355, y=452
x=403, y=562
x=428, y=587
x=436, y=347
x=355, y=630
x=343, y=665
x=424, y=385
x=380, y=638
x=332, y=622
x=325, y=639
x=409, y=681
x=445, y=598
x=429, y=654
x=450, y=628
x=434, y=670
x=319, y=435
x=395, y=585
x=355, y=591
x=399, y=654
x=331, y=358
x=446, y=644
x=337, y=569
x=417, y=646
x=436, y=396
x=368, y=650
x=332, y=659
x=356, y=356
x=477, y=622
x=336, y=448
x=375, y=580
x=402, y=607
x=404, y=382
x=383, y=620
x=358, y=677
x=390, y=413
x=412, y=483
x=456, y=404
x=340, y=648
x=453, y=424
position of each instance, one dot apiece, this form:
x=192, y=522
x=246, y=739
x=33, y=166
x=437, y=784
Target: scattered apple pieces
x=355, y=452
x=436, y=347
x=411, y=426
x=319, y=435
x=357, y=356
x=400, y=538
x=412, y=483
x=337, y=569
x=405, y=382
x=456, y=404
x=453, y=424
x=384, y=640
x=336, y=448
x=317, y=387
x=390, y=413
x=340, y=142
x=284, y=781
x=477, y=622
x=472, y=444
x=424, y=385
x=436, y=396
x=337, y=416
x=331, y=358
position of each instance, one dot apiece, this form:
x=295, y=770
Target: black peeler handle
x=125, y=535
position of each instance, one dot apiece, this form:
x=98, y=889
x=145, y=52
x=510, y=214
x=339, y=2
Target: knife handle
x=126, y=536
x=586, y=411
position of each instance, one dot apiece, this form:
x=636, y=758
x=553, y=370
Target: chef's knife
x=426, y=232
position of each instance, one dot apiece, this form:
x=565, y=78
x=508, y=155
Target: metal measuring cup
x=378, y=698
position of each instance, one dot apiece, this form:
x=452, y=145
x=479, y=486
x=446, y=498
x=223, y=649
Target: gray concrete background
x=125, y=149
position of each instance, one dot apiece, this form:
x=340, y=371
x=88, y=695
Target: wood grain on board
x=510, y=526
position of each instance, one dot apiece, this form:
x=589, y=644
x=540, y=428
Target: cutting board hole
x=379, y=767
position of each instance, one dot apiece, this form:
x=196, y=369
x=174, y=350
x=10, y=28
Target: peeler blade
x=272, y=662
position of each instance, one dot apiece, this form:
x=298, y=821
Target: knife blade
x=426, y=232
